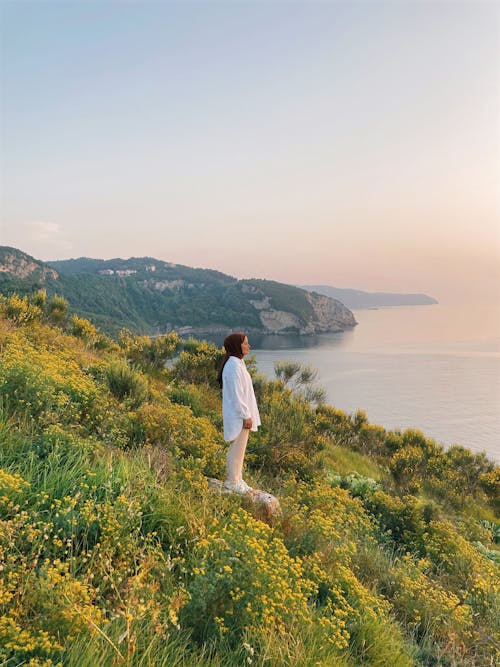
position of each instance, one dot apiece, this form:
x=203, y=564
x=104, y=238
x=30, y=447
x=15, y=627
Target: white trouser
x=235, y=456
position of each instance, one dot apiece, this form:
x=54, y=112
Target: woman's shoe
x=245, y=486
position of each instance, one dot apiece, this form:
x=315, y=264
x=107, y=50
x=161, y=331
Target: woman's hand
x=247, y=423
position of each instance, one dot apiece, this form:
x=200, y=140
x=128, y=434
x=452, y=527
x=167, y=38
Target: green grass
x=105, y=546
x=344, y=461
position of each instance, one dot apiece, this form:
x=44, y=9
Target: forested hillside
x=150, y=296
x=114, y=551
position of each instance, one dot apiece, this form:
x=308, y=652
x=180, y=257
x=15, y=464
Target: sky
x=354, y=144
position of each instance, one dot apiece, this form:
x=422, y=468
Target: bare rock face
x=275, y=321
x=331, y=314
x=266, y=502
x=262, y=303
x=22, y=266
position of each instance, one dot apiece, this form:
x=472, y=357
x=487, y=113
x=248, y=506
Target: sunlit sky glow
x=355, y=144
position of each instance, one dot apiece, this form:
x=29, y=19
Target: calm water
x=436, y=368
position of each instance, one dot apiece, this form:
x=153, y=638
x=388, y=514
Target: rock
x=268, y=503
x=275, y=321
x=24, y=266
x=327, y=315
x=331, y=314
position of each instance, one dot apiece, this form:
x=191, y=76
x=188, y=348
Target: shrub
x=244, y=579
x=319, y=518
x=399, y=519
x=352, y=431
x=126, y=383
x=287, y=440
x=43, y=384
x=146, y=352
x=57, y=309
x=188, y=395
x=426, y=607
x=175, y=427
x=490, y=482
x=198, y=363
x=20, y=310
x=126, y=553
x=300, y=379
x=39, y=298
x=462, y=567
x=82, y=328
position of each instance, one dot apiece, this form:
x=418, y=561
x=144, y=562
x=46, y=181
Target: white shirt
x=238, y=398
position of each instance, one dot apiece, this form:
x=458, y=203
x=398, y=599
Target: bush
x=146, y=352
x=423, y=605
x=188, y=395
x=57, y=309
x=301, y=380
x=490, y=482
x=400, y=520
x=38, y=382
x=82, y=328
x=20, y=310
x=462, y=567
x=39, y=298
x=198, y=363
x=175, y=427
x=125, y=383
x=244, y=579
x=111, y=556
x=287, y=440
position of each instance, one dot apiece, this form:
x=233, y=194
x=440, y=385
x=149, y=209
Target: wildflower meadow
x=115, y=551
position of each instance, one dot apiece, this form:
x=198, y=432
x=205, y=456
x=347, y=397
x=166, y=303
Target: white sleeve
x=234, y=389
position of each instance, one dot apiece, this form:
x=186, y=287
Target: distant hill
x=359, y=299
x=152, y=296
x=18, y=267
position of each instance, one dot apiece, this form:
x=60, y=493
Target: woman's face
x=245, y=346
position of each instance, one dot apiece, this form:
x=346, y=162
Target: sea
x=434, y=368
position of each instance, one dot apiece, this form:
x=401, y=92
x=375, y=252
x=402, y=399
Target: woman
x=239, y=408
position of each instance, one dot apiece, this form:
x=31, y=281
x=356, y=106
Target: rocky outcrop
x=261, y=304
x=268, y=504
x=331, y=315
x=274, y=321
x=191, y=301
x=328, y=315
x=23, y=266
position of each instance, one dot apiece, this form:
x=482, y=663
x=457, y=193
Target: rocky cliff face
x=276, y=321
x=158, y=296
x=23, y=266
x=329, y=315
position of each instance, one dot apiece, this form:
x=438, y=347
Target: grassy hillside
x=114, y=551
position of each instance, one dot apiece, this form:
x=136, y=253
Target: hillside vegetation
x=150, y=296
x=114, y=551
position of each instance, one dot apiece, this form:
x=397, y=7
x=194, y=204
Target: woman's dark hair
x=232, y=346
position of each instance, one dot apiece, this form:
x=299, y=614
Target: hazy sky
x=355, y=144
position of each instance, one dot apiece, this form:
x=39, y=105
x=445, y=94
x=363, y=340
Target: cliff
x=303, y=312
x=19, y=265
x=151, y=296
